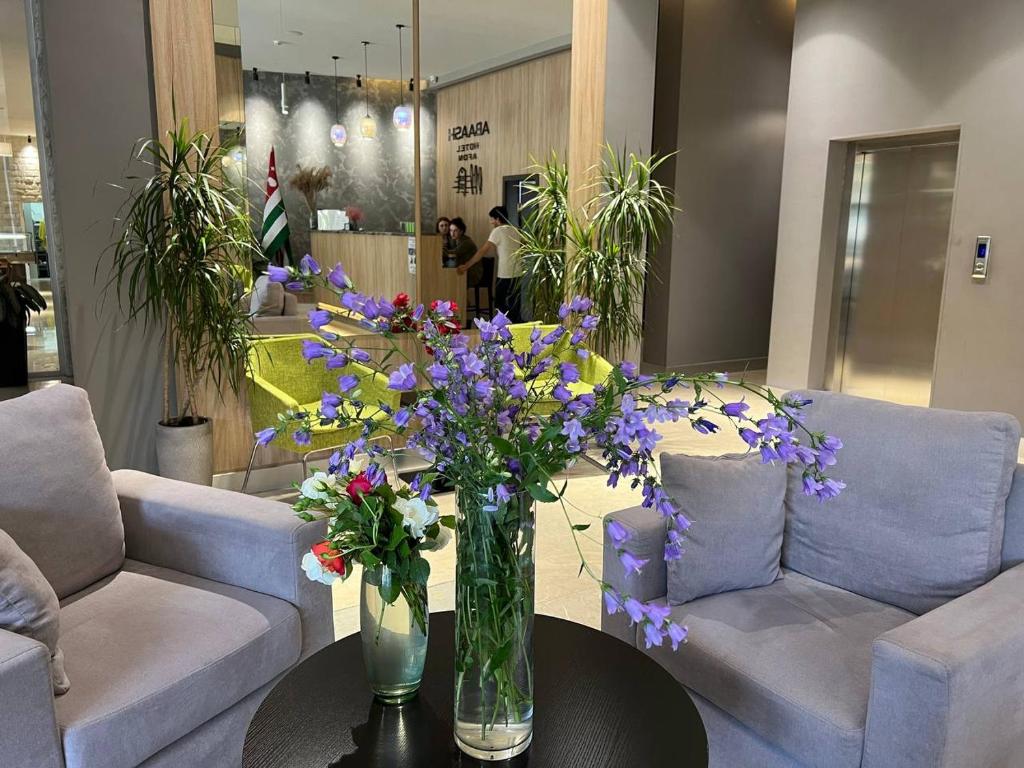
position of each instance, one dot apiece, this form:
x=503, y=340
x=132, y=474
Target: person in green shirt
x=463, y=249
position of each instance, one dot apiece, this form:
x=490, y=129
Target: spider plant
x=600, y=249
x=183, y=232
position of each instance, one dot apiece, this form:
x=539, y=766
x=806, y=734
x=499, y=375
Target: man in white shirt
x=503, y=244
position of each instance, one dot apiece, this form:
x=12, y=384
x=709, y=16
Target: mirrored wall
x=325, y=92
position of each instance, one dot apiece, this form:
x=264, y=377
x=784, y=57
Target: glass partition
x=26, y=256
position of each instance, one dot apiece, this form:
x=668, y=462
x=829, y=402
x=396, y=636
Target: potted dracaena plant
x=18, y=300
x=597, y=249
x=183, y=234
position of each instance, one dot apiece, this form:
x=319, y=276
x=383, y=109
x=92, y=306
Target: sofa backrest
x=58, y=500
x=1013, y=536
x=279, y=360
x=921, y=520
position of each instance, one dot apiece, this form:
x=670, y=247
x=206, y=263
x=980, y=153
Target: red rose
x=358, y=487
x=401, y=300
x=329, y=557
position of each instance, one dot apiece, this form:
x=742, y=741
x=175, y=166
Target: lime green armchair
x=280, y=379
x=593, y=368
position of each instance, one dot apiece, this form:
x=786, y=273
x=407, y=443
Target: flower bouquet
x=385, y=530
x=500, y=417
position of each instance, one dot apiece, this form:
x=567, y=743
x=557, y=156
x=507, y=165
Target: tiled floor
x=560, y=591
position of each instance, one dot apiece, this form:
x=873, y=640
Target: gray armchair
x=181, y=605
x=895, y=635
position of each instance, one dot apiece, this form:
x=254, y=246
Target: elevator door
x=900, y=205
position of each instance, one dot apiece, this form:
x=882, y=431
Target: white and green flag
x=275, y=233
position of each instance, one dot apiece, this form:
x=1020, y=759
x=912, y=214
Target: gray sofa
x=181, y=605
x=293, y=319
x=895, y=634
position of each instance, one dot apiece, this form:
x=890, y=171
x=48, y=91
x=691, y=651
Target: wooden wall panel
x=183, y=63
x=230, y=100
x=526, y=107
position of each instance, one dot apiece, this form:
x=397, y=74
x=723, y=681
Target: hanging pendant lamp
x=338, y=133
x=367, y=126
x=402, y=116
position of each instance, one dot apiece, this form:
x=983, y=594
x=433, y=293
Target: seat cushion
x=154, y=654
x=922, y=517
x=791, y=661
x=735, y=503
x=57, y=488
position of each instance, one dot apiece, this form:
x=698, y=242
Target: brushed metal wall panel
x=895, y=259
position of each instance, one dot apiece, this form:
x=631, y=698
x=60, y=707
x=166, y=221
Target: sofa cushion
x=735, y=503
x=155, y=653
x=28, y=606
x=266, y=298
x=792, y=661
x=57, y=488
x=921, y=519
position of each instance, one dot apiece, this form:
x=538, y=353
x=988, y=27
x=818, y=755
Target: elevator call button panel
x=982, y=256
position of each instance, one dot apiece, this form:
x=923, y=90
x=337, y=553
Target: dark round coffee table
x=599, y=703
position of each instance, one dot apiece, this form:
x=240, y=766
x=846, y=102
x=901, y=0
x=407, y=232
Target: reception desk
x=379, y=265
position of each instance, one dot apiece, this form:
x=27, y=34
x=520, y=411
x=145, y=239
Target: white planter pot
x=186, y=452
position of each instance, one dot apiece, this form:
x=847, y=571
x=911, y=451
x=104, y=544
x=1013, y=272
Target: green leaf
x=541, y=493
x=448, y=521
x=419, y=571
x=505, y=448
x=581, y=526
x=368, y=559
x=389, y=590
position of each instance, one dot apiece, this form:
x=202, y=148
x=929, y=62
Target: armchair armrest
x=228, y=537
x=647, y=542
x=947, y=688
x=28, y=723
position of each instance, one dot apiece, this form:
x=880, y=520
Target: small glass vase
x=494, y=602
x=394, y=636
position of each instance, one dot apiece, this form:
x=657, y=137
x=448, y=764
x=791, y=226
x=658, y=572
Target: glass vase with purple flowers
x=501, y=415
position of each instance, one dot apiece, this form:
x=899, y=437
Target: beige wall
x=867, y=67
x=527, y=110
x=721, y=89
x=99, y=106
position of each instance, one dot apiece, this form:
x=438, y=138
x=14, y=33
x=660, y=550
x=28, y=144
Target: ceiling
x=17, y=113
x=458, y=36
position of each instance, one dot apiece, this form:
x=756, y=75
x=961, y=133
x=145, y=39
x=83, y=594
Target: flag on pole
x=275, y=233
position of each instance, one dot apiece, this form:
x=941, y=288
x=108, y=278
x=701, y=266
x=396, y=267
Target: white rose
x=315, y=571
x=417, y=516
x=317, y=486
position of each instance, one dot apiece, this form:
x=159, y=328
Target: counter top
x=362, y=232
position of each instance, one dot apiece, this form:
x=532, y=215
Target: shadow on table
x=410, y=735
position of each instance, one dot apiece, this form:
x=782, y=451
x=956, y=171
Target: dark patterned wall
x=375, y=175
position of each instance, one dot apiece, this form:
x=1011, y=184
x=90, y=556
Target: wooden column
x=417, y=174
x=185, y=85
x=184, y=64
x=586, y=92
